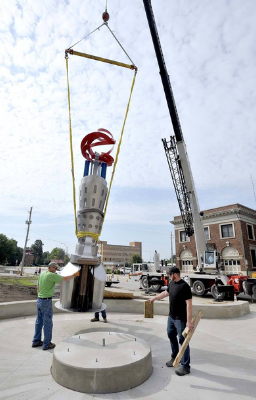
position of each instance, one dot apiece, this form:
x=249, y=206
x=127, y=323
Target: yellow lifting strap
x=81, y=234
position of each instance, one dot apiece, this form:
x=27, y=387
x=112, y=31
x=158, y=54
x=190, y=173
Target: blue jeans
x=103, y=313
x=175, y=327
x=43, y=320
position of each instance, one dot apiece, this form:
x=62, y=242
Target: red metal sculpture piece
x=98, y=138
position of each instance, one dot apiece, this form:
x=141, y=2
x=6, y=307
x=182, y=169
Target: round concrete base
x=102, y=362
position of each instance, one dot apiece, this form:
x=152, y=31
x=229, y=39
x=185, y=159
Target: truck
x=141, y=268
x=208, y=275
x=110, y=280
x=201, y=284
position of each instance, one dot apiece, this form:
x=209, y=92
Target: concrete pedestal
x=84, y=364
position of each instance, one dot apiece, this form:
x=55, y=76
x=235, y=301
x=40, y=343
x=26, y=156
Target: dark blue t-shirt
x=179, y=292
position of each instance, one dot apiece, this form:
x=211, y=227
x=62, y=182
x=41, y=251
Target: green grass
x=26, y=281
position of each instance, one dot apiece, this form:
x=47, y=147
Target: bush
x=108, y=270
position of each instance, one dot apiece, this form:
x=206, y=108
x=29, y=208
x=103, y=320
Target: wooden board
x=149, y=310
x=117, y=295
x=88, y=261
x=188, y=335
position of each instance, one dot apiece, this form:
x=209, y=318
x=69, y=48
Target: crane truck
x=207, y=275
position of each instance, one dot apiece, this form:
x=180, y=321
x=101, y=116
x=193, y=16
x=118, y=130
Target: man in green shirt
x=45, y=290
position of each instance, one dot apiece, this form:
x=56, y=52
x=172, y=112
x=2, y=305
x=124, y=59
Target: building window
x=207, y=233
x=232, y=262
x=253, y=255
x=187, y=262
x=250, y=232
x=227, y=231
x=183, y=237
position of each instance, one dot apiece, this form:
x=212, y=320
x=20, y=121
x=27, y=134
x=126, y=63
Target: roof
x=230, y=209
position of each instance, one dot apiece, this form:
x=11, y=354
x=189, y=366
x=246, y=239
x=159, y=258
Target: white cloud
x=210, y=56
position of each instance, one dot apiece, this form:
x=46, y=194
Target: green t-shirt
x=46, y=283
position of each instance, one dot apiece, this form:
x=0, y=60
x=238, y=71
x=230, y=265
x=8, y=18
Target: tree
x=66, y=259
x=57, y=253
x=136, y=259
x=3, y=248
x=37, y=248
x=8, y=250
x=13, y=252
x=19, y=254
x=46, y=257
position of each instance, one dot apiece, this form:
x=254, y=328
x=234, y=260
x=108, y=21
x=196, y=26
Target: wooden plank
x=88, y=261
x=188, y=335
x=117, y=295
x=149, y=310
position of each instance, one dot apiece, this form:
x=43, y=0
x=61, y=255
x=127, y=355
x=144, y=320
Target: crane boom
x=176, y=153
x=163, y=71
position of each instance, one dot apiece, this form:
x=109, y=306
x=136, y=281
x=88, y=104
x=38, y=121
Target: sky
x=210, y=53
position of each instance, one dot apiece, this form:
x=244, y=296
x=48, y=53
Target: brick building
x=113, y=255
x=231, y=230
x=29, y=257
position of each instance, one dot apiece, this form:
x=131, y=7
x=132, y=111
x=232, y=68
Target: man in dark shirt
x=180, y=315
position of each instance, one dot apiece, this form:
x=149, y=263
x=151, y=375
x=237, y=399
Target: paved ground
x=223, y=358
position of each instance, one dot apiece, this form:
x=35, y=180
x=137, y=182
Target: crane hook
x=105, y=16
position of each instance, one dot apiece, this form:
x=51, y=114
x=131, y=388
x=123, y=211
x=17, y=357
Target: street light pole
x=28, y=222
x=66, y=248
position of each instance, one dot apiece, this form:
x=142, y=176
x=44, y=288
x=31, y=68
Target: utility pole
x=171, y=249
x=28, y=222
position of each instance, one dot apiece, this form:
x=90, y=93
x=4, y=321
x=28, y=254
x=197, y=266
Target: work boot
x=105, y=320
x=94, y=320
x=50, y=346
x=170, y=363
x=181, y=371
x=40, y=343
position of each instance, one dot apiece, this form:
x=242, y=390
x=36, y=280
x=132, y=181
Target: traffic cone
x=235, y=298
x=127, y=280
x=117, y=278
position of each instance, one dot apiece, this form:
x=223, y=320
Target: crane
x=178, y=161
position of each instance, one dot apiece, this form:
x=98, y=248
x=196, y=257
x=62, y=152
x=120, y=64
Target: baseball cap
x=174, y=270
x=53, y=264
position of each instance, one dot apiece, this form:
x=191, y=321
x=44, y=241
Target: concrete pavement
x=223, y=358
